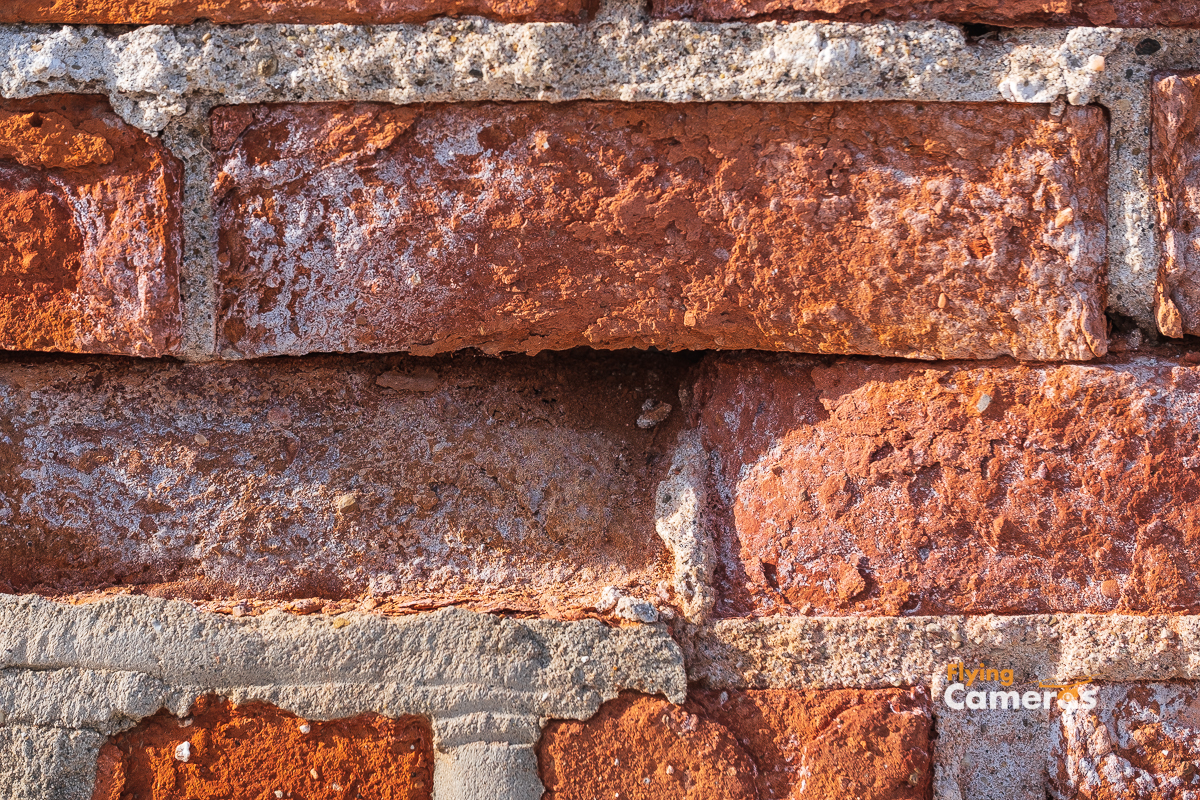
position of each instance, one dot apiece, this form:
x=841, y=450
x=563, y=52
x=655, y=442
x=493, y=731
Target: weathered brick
x=1128, y=13
x=1141, y=742
x=523, y=484
x=222, y=750
x=1175, y=165
x=904, y=229
x=90, y=231
x=740, y=745
x=310, y=12
x=872, y=487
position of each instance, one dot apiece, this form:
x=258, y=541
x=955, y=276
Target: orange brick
x=259, y=751
x=531, y=226
x=1031, y=13
x=862, y=487
x=738, y=745
x=309, y=12
x=112, y=285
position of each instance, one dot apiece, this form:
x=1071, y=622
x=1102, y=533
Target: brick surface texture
x=1131, y=13
x=515, y=485
x=260, y=751
x=1176, y=172
x=504, y=399
x=1142, y=742
x=745, y=744
x=90, y=231
x=323, y=12
x=523, y=227
x=873, y=487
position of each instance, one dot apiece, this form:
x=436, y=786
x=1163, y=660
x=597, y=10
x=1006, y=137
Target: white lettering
x=1087, y=698
x=1006, y=699
x=1032, y=700
x=957, y=705
x=976, y=700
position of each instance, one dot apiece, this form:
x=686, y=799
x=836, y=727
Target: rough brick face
x=519, y=484
x=259, y=751
x=315, y=12
x=1142, y=742
x=903, y=229
x=1176, y=176
x=743, y=745
x=867, y=487
x=1130, y=13
x=90, y=231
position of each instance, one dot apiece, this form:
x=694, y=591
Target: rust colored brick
x=1009, y=13
x=523, y=484
x=869, y=487
x=1141, y=742
x=90, y=231
x=1175, y=168
x=902, y=229
x=308, y=12
x=745, y=745
x=222, y=750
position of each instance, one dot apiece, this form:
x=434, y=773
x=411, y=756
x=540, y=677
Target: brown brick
x=869, y=487
x=905, y=229
x=808, y=745
x=1128, y=13
x=109, y=287
x=257, y=750
x=1175, y=166
x=309, y=12
x=520, y=484
x=1142, y=742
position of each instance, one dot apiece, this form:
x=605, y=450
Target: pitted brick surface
x=1141, y=742
x=1009, y=13
x=523, y=484
x=898, y=229
x=872, y=487
x=313, y=12
x=90, y=231
x=258, y=751
x=873, y=745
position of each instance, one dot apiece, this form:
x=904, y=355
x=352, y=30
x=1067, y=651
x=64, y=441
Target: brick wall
x=689, y=399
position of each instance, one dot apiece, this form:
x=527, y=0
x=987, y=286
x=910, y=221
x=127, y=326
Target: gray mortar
x=680, y=511
x=47, y=763
x=488, y=684
x=164, y=78
x=876, y=652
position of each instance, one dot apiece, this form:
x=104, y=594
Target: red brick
x=873, y=487
x=309, y=12
x=1127, y=13
x=871, y=745
x=918, y=230
x=256, y=750
x=1142, y=742
x=112, y=287
x=1175, y=166
x=521, y=484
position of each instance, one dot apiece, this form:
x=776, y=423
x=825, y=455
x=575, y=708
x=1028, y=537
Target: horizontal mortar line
x=878, y=652
x=150, y=72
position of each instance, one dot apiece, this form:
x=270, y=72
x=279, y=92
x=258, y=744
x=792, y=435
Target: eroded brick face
x=1176, y=174
x=745, y=744
x=902, y=229
x=1130, y=13
x=260, y=751
x=518, y=484
x=1142, y=742
x=872, y=487
x=90, y=231
x=318, y=12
